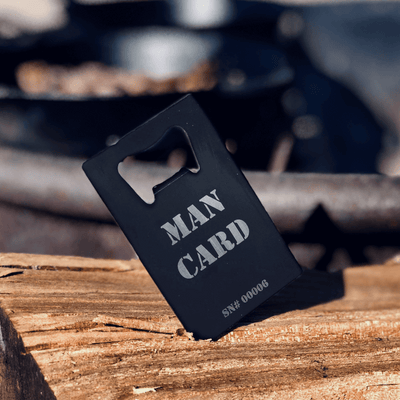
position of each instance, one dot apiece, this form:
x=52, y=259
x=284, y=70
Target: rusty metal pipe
x=355, y=203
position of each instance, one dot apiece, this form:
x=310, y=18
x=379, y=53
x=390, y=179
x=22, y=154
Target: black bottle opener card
x=206, y=241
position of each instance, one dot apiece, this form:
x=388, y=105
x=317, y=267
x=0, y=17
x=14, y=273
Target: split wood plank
x=75, y=328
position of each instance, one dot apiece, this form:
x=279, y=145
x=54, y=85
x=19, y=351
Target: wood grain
x=75, y=328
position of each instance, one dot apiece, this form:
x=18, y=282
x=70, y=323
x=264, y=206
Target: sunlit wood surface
x=75, y=328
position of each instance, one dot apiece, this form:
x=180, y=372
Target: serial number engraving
x=254, y=291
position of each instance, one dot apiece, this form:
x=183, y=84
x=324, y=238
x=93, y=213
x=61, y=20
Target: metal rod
x=355, y=203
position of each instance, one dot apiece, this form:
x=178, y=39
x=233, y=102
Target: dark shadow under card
x=311, y=289
x=206, y=240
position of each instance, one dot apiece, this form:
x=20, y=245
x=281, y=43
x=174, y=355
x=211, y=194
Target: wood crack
x=12, y=273
x=137, y=324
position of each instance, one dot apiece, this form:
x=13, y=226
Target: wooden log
x=75, y=328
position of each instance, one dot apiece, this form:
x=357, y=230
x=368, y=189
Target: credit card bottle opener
x=206, y=240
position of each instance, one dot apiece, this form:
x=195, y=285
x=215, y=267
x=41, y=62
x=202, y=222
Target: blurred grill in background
x=289, y=89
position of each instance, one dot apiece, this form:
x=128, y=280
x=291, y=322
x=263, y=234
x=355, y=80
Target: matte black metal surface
x=214, y=258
